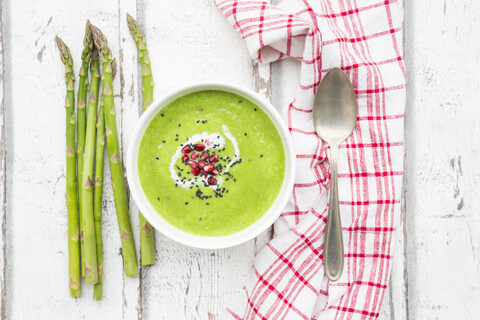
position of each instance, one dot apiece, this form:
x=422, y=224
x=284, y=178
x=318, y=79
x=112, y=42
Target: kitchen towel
x=362, y=37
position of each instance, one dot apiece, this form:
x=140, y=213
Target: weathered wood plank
x=128, y=103
x=37, y=248
x=443, y=175
x=188, y=42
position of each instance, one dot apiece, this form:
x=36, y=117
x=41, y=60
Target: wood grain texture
x=37, y=248
x=443, y=172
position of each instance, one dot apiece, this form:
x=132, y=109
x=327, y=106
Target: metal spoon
x=334, y=117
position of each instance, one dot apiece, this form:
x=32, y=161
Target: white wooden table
x=436, y=269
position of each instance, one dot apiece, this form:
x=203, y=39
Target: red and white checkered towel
x=363, y=37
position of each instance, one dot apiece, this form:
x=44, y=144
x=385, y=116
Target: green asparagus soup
x=211, y=163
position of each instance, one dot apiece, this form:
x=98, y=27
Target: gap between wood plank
x=3, y=172
x=404, y=188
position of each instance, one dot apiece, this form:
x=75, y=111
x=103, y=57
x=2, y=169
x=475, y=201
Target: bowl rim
x=210, y=242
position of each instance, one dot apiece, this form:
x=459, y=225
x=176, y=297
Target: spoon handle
x=333, y=252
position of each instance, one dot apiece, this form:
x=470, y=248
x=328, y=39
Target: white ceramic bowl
x=159, y=223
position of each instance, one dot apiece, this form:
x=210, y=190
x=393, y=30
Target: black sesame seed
x=179, y=124
x=200, y=218
x=261, y=155
x=255, y=109
x=198, y=121
x=163, y=141
x=176, y=139
x=207, y=203
x=240, y=101
x=245, y=134
x=186, y=202
x=158, y=198
x=162, y=114
x=157, y=158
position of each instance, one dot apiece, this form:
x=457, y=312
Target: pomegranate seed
x=195, y=171
x=199, y=147
x=194, y=155
x=214, y=172
x=209, y=167
x=185, y=158
x=204, y=155
x=186, y=149
x=212, y=181
x=192, y=164
x=203, y=173
x=214, y=158
x=201, y=164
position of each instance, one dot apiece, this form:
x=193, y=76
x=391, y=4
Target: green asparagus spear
x=71, y=194
x=97, y=202
x=115, y=161
x=98, y=192
x=81, y=124
x=90, y=245
x=147, y=245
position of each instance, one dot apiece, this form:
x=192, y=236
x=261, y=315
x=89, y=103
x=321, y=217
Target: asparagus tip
x=87, y=41
x=61, y=45
x=99, y=39
x=133, y=26
x=64, y=50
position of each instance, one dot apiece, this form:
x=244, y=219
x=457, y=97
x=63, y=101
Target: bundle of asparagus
x=84, y=213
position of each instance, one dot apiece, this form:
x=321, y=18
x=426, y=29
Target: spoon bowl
x=334, y=118
x=335, y=108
